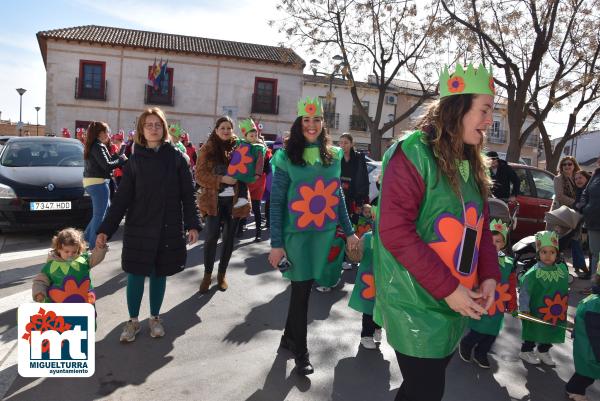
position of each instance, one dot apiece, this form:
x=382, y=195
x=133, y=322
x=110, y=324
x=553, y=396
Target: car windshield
x=42, y=154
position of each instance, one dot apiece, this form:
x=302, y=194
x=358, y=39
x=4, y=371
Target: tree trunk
x=376, y=144
x=514, y=132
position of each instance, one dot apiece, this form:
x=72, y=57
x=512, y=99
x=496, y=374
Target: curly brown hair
x=68, y=237
x=221, y=149
x=443, y=125
x=295, y=143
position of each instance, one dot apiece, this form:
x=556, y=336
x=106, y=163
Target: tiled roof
x=111, y=36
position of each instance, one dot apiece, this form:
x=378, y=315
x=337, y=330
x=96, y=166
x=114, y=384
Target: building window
x=357, y=123
x=91, y=83
x=496, y=135
x=164, y=93
x=332, y=119
x=264, y=98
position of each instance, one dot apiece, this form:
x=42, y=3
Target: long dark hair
x=93, y=130
x=443, y=124
x=221, y=150
x=295, y=143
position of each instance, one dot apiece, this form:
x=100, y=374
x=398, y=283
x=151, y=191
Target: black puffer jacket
x=100, y=162
x=157, y=196
x=590, y=202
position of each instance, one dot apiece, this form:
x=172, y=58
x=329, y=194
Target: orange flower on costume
x=492, y=85
x=368, y=292
x=239, y=161
x=555, y=309
x=71, y=292
x=498, y=227
x=362, y=229
x=456, y=85
x=316, y=204
x=500, y=297
x=310, y=109
x=449, y=229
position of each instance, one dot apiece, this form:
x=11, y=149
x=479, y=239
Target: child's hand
x=101, y=240
x=40, y=297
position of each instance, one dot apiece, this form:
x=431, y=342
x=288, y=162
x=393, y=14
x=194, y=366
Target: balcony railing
x=332, y=120
x=260, y=106
x=497, y=136
x=90, y=93
x=357, y=123
x=532, y=140
x=150, y=97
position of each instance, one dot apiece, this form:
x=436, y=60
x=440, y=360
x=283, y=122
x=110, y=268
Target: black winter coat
x=590, y=202
x=504, y=176
x=100, y=163
x=156, y=195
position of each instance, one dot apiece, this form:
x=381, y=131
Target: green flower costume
x=586, y=362
x=492, y=322
x=416, y=323
x=312, y=214
x=363, y=294
x=70, y=281
x=244, y=159
x=546, y=288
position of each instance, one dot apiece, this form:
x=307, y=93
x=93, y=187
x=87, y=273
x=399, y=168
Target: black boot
x=303, y=365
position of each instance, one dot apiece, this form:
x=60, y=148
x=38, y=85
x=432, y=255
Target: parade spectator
x=502, y=177
x=590, y=208
x=354, y=177
x=435, y=263
x=189, y=148
x=117, y=147
x=564, y=183
x=216, y=196
x=581, y=179
x=99, y=164
x=157, y=196
x=306, y=207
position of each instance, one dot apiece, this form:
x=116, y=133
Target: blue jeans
x=594, y=241
x=577, y=254
x=100, y=202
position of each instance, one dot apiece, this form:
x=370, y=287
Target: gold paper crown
x=478, y=81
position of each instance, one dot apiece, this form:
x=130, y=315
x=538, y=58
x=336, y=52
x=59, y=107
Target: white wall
x=203, y=86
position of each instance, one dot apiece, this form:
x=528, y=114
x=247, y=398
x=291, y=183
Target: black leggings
x=213, y=231
x=578, y=384
x=297, y=319
x=368, y=326
x=257, y=216
x=424, y=379
x=528, y=346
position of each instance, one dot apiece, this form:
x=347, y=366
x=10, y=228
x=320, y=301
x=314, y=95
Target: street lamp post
x=20, y=125
x=339, y=63
x=37, y=120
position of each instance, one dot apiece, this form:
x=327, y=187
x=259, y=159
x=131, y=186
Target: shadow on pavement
x=272, y=315
x=365, y=376
x=277, y=386
x=123, y=365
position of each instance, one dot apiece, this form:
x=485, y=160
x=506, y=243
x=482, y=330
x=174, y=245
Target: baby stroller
x=499, y=209
x=563, y=221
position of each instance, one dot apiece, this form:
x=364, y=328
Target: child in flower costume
x=365, y=220
x=247, y=160
x=543, y=293
x=66, y=275
x=586, y=347
x=434, y=188
x=307, y=205
x=484, y=332
x=363, y=294
x=176, y=132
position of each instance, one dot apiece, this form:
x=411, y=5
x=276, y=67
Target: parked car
x=537, y=191
x=374, y=169
x=41, y=183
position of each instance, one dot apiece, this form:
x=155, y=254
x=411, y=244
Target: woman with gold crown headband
x=307, y=205
x=434, y=261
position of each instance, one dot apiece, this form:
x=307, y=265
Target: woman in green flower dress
x=306, y=207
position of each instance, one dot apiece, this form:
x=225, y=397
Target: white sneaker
x=577, y=397
x=131, y=328
x=377, y=335
x=323, y=289
x=156, y=327
x=347, y=266
x=546, y=358
x=529, y=357
x=368, y=343
x=240, y=202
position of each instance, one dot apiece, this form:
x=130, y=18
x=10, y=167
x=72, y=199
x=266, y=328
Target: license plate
x=39, y=206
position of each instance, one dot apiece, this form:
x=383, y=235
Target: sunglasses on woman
x=567, y=164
